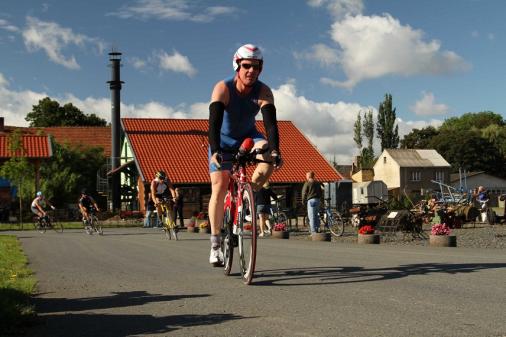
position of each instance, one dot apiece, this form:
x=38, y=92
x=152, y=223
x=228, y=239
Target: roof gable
x=417, y=158
x=180, y=147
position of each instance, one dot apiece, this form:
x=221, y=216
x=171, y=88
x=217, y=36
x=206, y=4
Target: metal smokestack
x=115, y=86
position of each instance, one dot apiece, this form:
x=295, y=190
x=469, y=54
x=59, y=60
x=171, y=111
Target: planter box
x=364, y=239
x=321, y=237
x=443, y=241
x=280, y=234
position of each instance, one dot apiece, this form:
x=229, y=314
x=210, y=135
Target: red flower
x=366, y=230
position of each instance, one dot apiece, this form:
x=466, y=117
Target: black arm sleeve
x=216, y=111
x=271, y=126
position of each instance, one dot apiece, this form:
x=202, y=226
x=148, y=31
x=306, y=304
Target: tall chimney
x=115, y=86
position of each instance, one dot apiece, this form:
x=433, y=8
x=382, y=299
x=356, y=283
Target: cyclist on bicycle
x=234, y=104
x=86, y=205
x=160, y=188
x=38, y=205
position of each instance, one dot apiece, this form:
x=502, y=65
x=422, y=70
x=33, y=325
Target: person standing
x=234, y=104
x=178, y=207
x=311, y=195
x=263, y=202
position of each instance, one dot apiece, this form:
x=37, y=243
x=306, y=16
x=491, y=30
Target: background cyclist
x=87, y=204
x=160, y=188
x=234, y=104
x=39, y=204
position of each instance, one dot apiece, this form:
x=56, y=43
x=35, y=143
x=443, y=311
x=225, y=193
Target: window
x=384, y=160
x=416, y=176
x=440, y=176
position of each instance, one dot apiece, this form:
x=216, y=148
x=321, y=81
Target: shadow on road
x=337, y=275
x=55, y=319
x=118, y=300
x=121, y=325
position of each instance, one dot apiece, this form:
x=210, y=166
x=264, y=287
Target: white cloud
x=175, y=62
x=178, y=10
x=339, y=8
x=322, y=54
x=375, y=46
x=427, y=106
x=4, y=24
x=52, y=38
x=137, y=63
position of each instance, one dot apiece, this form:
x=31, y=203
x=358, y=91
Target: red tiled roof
x=34, y=147
x=179, y=147
x=77, y=136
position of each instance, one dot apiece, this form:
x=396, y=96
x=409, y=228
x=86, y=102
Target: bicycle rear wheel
x=336, y=224
x=227, y=238
x=247, y=235
x=40, y=225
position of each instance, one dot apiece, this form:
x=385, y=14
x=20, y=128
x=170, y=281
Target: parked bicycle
x=277, y=214
x=92, y=224
x=169, y=225
x=46, y=222
x=240, y=222
x=330, y=218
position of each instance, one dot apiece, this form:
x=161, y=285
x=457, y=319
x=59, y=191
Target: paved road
x=134, y=282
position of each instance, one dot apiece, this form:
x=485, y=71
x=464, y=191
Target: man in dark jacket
x=311, y=194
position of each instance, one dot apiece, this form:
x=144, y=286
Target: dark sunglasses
x=247, y=66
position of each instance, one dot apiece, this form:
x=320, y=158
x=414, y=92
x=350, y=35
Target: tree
x=471, y=120
x=18, y=170
x=68, y=171
x=419, y=139
x=388, y=132
x=50, y=113
x=467, y=149
x=357, y=135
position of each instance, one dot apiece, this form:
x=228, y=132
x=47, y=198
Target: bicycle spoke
x=336, y=224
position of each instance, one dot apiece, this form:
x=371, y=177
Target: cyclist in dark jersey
x=234, y=104
x=87, y=204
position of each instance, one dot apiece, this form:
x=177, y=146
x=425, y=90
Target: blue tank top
x=239, y=117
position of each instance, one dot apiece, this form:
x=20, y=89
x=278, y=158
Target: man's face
x=249, y=71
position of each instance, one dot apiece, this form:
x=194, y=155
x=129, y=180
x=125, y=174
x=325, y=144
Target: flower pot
x=364, y=239
x=443, y=241
x=205, y=230
x=321, y=236
x=280, y=235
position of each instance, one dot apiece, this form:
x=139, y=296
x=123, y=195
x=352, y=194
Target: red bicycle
x=240, y=222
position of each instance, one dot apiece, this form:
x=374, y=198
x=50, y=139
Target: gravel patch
x=472, y=236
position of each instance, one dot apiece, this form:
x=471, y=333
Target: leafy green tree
x=471, y=120
x=419, y=138
x=388, y=131
x=467, y=149
x=357, y=135
x=49, y=113
x=70, y=170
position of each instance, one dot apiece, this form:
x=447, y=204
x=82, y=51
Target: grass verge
x=17, y=283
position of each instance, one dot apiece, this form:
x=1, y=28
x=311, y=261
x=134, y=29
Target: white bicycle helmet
x=247, y=52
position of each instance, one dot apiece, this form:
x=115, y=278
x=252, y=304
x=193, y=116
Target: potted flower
x=204, y=227
x=191, y=227
x=367, y=235
x=440, y=236
x=280, y=231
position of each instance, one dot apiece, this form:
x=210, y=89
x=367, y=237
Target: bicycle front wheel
x=57, y=226
x=336, y=224
x=247, y=235
x=227, y=238
x=40, y=225
x=96, y=225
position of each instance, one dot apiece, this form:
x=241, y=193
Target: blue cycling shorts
x=226, y=164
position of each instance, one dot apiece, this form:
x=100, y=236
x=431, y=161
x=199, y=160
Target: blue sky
x=325, y=60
